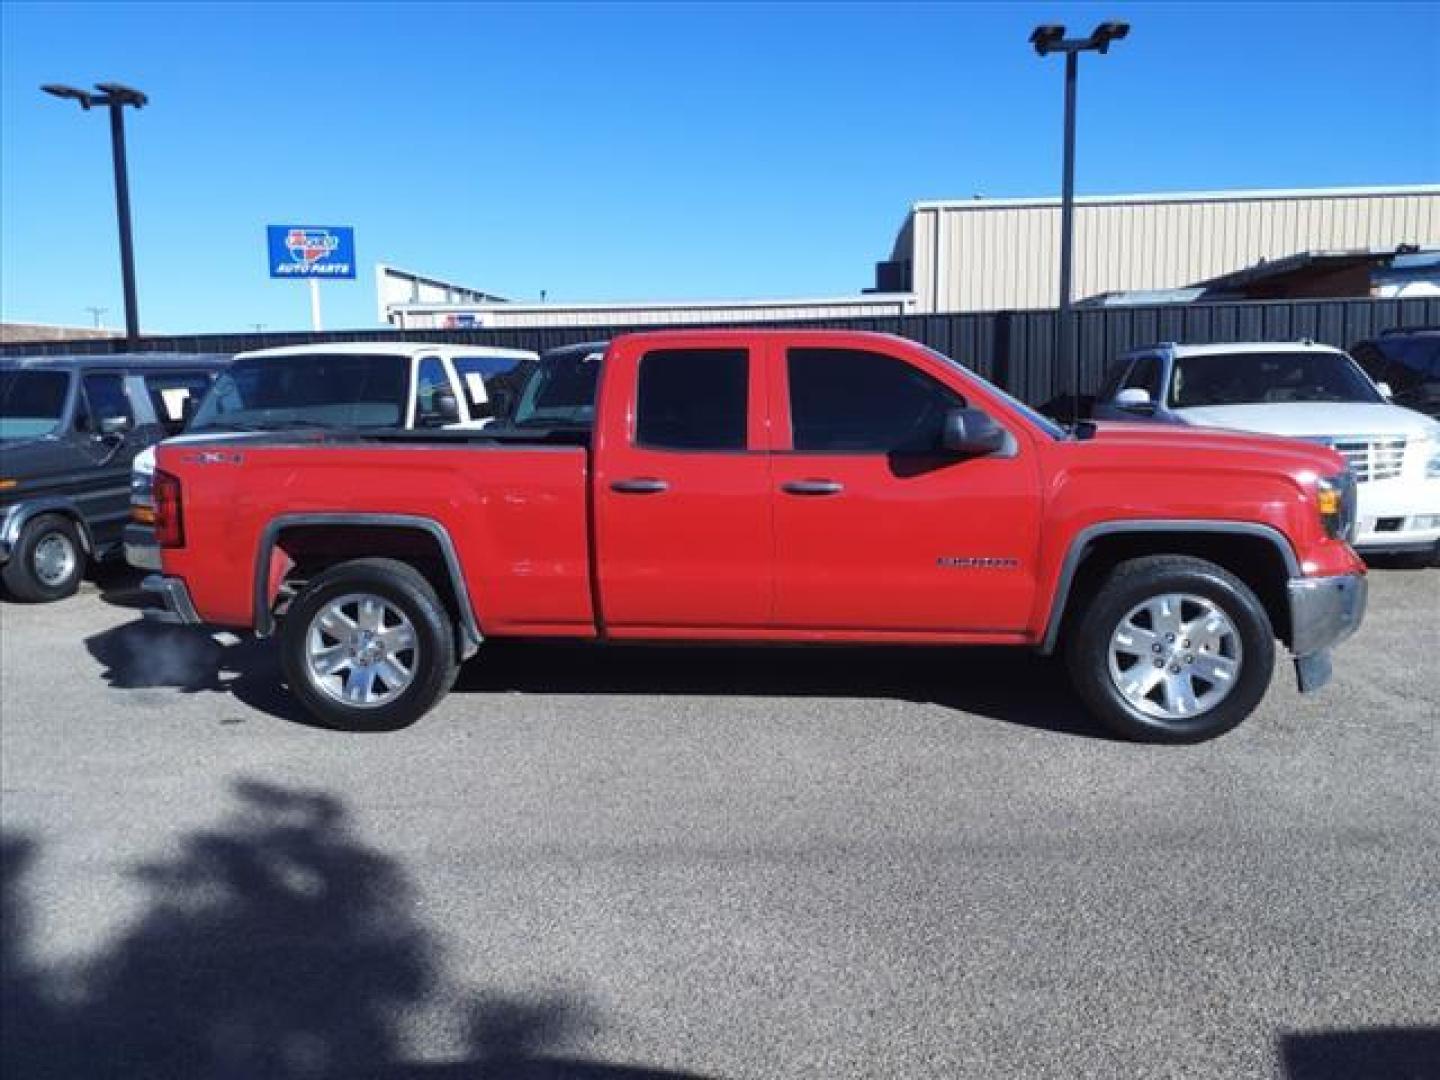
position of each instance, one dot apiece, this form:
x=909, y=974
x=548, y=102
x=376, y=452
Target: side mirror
x=114, y=425
x=972, y=433
x=447, y=406
x=1134, y=399
x=1385, y=391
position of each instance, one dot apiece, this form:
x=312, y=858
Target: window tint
x=1145, y=375
x=1111, y=386
x=693, y=399
x=1269, y=377
x=105, y=395
x=493, y=384
x=31, y=402
x=850, y=401
x=430, y=384
x=303, y=389
x=170, y=390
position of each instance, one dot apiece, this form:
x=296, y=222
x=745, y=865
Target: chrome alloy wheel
x=361, y=650
x=1175, y=656
x=54, y=559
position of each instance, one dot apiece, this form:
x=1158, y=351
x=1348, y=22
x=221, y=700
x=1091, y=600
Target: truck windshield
x=343, y=390
x=31, y=403
x=562, y=391
x=1268, y=378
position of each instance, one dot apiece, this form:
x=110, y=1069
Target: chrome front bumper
x=178, y=607
x=1324, y=611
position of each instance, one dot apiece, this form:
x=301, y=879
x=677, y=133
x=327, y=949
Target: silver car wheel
x=1175, y=656
x=55, y=559
x=361, y=650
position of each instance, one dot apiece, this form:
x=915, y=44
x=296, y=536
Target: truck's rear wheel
x=368, y=645
x=1171, y=649
x=48, y=561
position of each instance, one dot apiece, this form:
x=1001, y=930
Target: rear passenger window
x=693, y=399
x=856, y=402
x=170, y=390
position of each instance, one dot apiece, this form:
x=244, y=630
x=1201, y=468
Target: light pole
x=116, y=97
x=1047, y=40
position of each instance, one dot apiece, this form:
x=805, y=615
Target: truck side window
x=430, y=383
x=105, y=397
x=1145, y=375
x=693, y=399
x=170, y=390
x=848, y=401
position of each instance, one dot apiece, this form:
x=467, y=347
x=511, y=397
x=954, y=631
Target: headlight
x=1335, y=500
x=1432, y=465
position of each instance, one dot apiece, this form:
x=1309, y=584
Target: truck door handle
x=640, y=485
x=812, y=487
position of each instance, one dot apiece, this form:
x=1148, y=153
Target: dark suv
x=1408, y=361
x=69, y=427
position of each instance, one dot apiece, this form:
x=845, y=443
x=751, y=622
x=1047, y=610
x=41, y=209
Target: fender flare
x=469, y=628
x=19, y=515
x=1084, y=539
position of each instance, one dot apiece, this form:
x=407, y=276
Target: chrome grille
x=1378, y=457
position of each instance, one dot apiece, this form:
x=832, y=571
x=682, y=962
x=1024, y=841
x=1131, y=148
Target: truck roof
x=134, y=361
x=1236, y=347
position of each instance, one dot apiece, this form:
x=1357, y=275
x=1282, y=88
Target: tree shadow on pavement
x=1011, y=685
x=1395, y=1053
x=274, y=945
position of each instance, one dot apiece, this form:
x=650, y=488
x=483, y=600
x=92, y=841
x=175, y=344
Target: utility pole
x=115, y=97
x=1046, y=40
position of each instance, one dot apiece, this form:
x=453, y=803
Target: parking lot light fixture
x=116, y=96
x=1047, y=39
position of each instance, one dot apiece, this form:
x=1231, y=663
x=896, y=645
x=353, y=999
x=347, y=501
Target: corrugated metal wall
x=1014, y=349
x=985, y=256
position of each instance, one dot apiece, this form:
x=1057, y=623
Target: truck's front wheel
x=1171, y=649
x=368, y=645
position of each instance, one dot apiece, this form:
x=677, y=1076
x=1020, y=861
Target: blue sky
x=644, y=151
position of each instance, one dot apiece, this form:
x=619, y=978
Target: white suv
x=1307, y=391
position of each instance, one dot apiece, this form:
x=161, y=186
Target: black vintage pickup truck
x=69, y=429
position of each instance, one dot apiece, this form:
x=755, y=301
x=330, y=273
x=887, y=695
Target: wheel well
x=1253, y=559
x=309, y=549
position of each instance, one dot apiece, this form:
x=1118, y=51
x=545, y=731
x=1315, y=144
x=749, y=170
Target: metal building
x=1004, y=254
x=503, y=315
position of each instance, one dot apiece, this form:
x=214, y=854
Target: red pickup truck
x=786, y=486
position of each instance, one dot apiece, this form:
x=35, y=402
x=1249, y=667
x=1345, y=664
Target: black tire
x=1088, y=638
x=435, y=661
x=24, y=578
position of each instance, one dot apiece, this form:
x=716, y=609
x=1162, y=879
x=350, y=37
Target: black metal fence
x=1014, y=349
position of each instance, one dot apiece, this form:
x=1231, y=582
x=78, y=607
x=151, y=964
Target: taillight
x=169, y=514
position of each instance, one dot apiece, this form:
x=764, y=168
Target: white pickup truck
x=351, y=386
x=1307, y=391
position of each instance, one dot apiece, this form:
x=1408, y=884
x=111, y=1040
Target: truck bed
x=514, y=508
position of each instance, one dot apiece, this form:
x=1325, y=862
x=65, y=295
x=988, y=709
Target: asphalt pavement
x=724, y=863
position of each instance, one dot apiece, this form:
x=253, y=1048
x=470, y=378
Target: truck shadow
x=1010, y=685
x=275, y=943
